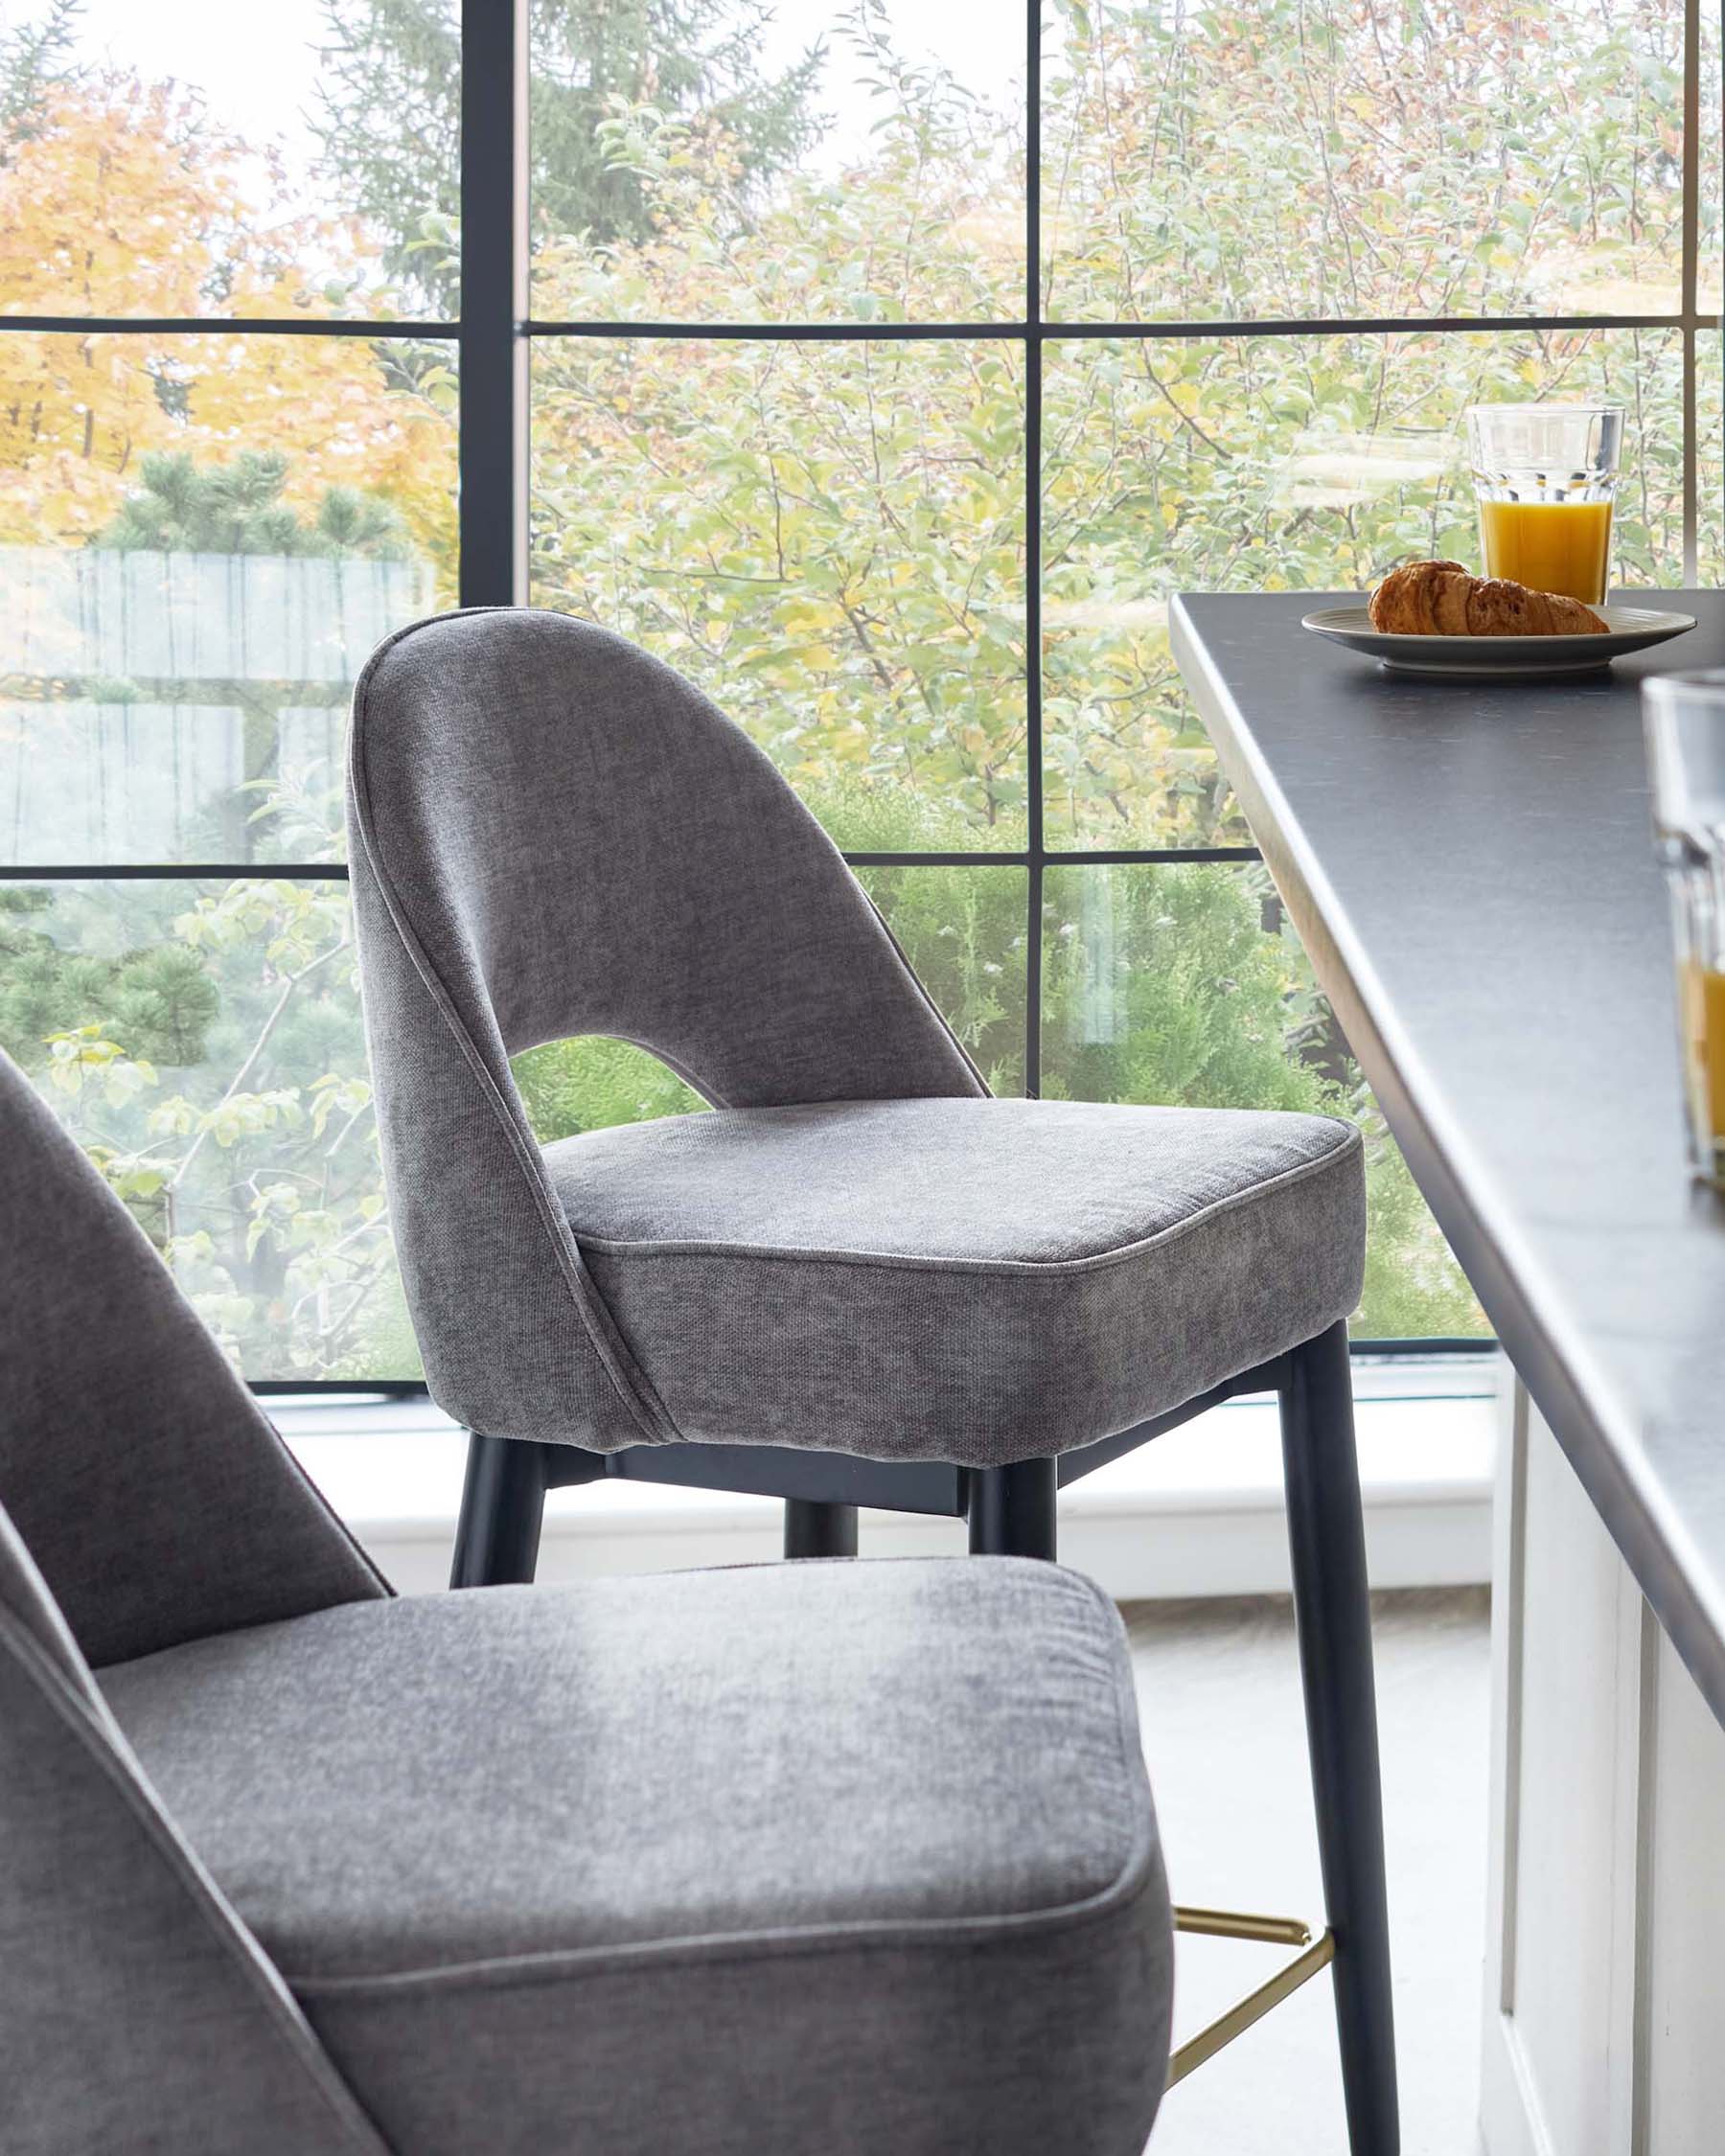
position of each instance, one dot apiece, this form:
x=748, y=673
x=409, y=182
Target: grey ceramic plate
x=1499, y=659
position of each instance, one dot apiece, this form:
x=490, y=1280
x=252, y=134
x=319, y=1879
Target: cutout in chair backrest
x=595, y=1082
x=581, y=843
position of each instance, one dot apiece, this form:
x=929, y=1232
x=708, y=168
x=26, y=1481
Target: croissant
x=1440, y=599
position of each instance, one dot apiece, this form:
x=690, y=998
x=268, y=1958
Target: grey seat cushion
x=848, y=1857
x=960, y=1279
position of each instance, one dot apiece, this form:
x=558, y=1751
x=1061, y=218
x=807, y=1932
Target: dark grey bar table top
x=1471, y=868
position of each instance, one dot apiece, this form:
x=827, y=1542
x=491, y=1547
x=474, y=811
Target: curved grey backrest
x=154, y=1497
x=552, y=834
x=136, y=2011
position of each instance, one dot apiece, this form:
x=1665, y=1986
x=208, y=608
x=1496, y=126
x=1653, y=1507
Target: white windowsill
x=1197, y=1512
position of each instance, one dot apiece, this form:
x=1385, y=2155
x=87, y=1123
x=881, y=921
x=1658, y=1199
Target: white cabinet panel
x=1684, y=1946
x=1604, y=2033
x=1558, y=2076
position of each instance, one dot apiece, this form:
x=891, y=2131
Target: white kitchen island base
x=1605, y=1942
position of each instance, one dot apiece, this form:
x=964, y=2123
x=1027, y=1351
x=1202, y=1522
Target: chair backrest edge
x=136, y=2010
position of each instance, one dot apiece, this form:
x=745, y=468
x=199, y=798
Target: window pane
x=189, y=157
x=964, y=931
x=202, y=1041
x=1277, y=464
x=1181, y=984
x=828, y=537
x=201, y=540
x=812, y=160
x=1355, y=157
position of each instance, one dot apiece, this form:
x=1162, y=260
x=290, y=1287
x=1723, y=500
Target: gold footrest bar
x=1236, y=1923
x=1274, y=1931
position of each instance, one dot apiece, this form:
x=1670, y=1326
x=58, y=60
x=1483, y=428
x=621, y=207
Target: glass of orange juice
x=1545, y=476
x=1685, y=717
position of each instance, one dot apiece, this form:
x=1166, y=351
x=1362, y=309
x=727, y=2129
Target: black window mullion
x=336, y=871
x=693, y=331
x=492, y=447
x=1033, y=664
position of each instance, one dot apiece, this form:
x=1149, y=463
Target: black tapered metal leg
x=502, y=1504
x=820, y=1530
x=1012, y=1509
x=1327, y=1541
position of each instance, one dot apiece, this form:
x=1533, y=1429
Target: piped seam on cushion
x=967, y=1935
x=1138, y=1872
x=1030, y=1267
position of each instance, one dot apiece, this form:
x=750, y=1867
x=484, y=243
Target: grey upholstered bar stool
x=774, y=1862
x=859, y=1280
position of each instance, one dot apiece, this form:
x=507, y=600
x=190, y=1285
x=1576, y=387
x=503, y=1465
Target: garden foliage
x=829, y=536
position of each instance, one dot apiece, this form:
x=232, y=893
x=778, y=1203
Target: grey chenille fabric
x=154, y=1497
x=138, y=2016
x=975, y=1281
x=823, y=1858
x=552, y=834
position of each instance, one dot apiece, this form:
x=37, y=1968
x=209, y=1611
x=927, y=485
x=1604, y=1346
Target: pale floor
x=1218, y=1689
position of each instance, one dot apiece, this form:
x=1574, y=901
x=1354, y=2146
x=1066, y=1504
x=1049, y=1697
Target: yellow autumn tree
x=120, y=201
x=116, y=202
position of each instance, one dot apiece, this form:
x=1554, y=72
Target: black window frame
x=494, y=337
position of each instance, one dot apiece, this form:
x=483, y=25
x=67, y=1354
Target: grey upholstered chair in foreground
x=783, y=1862
x=860, y=1279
